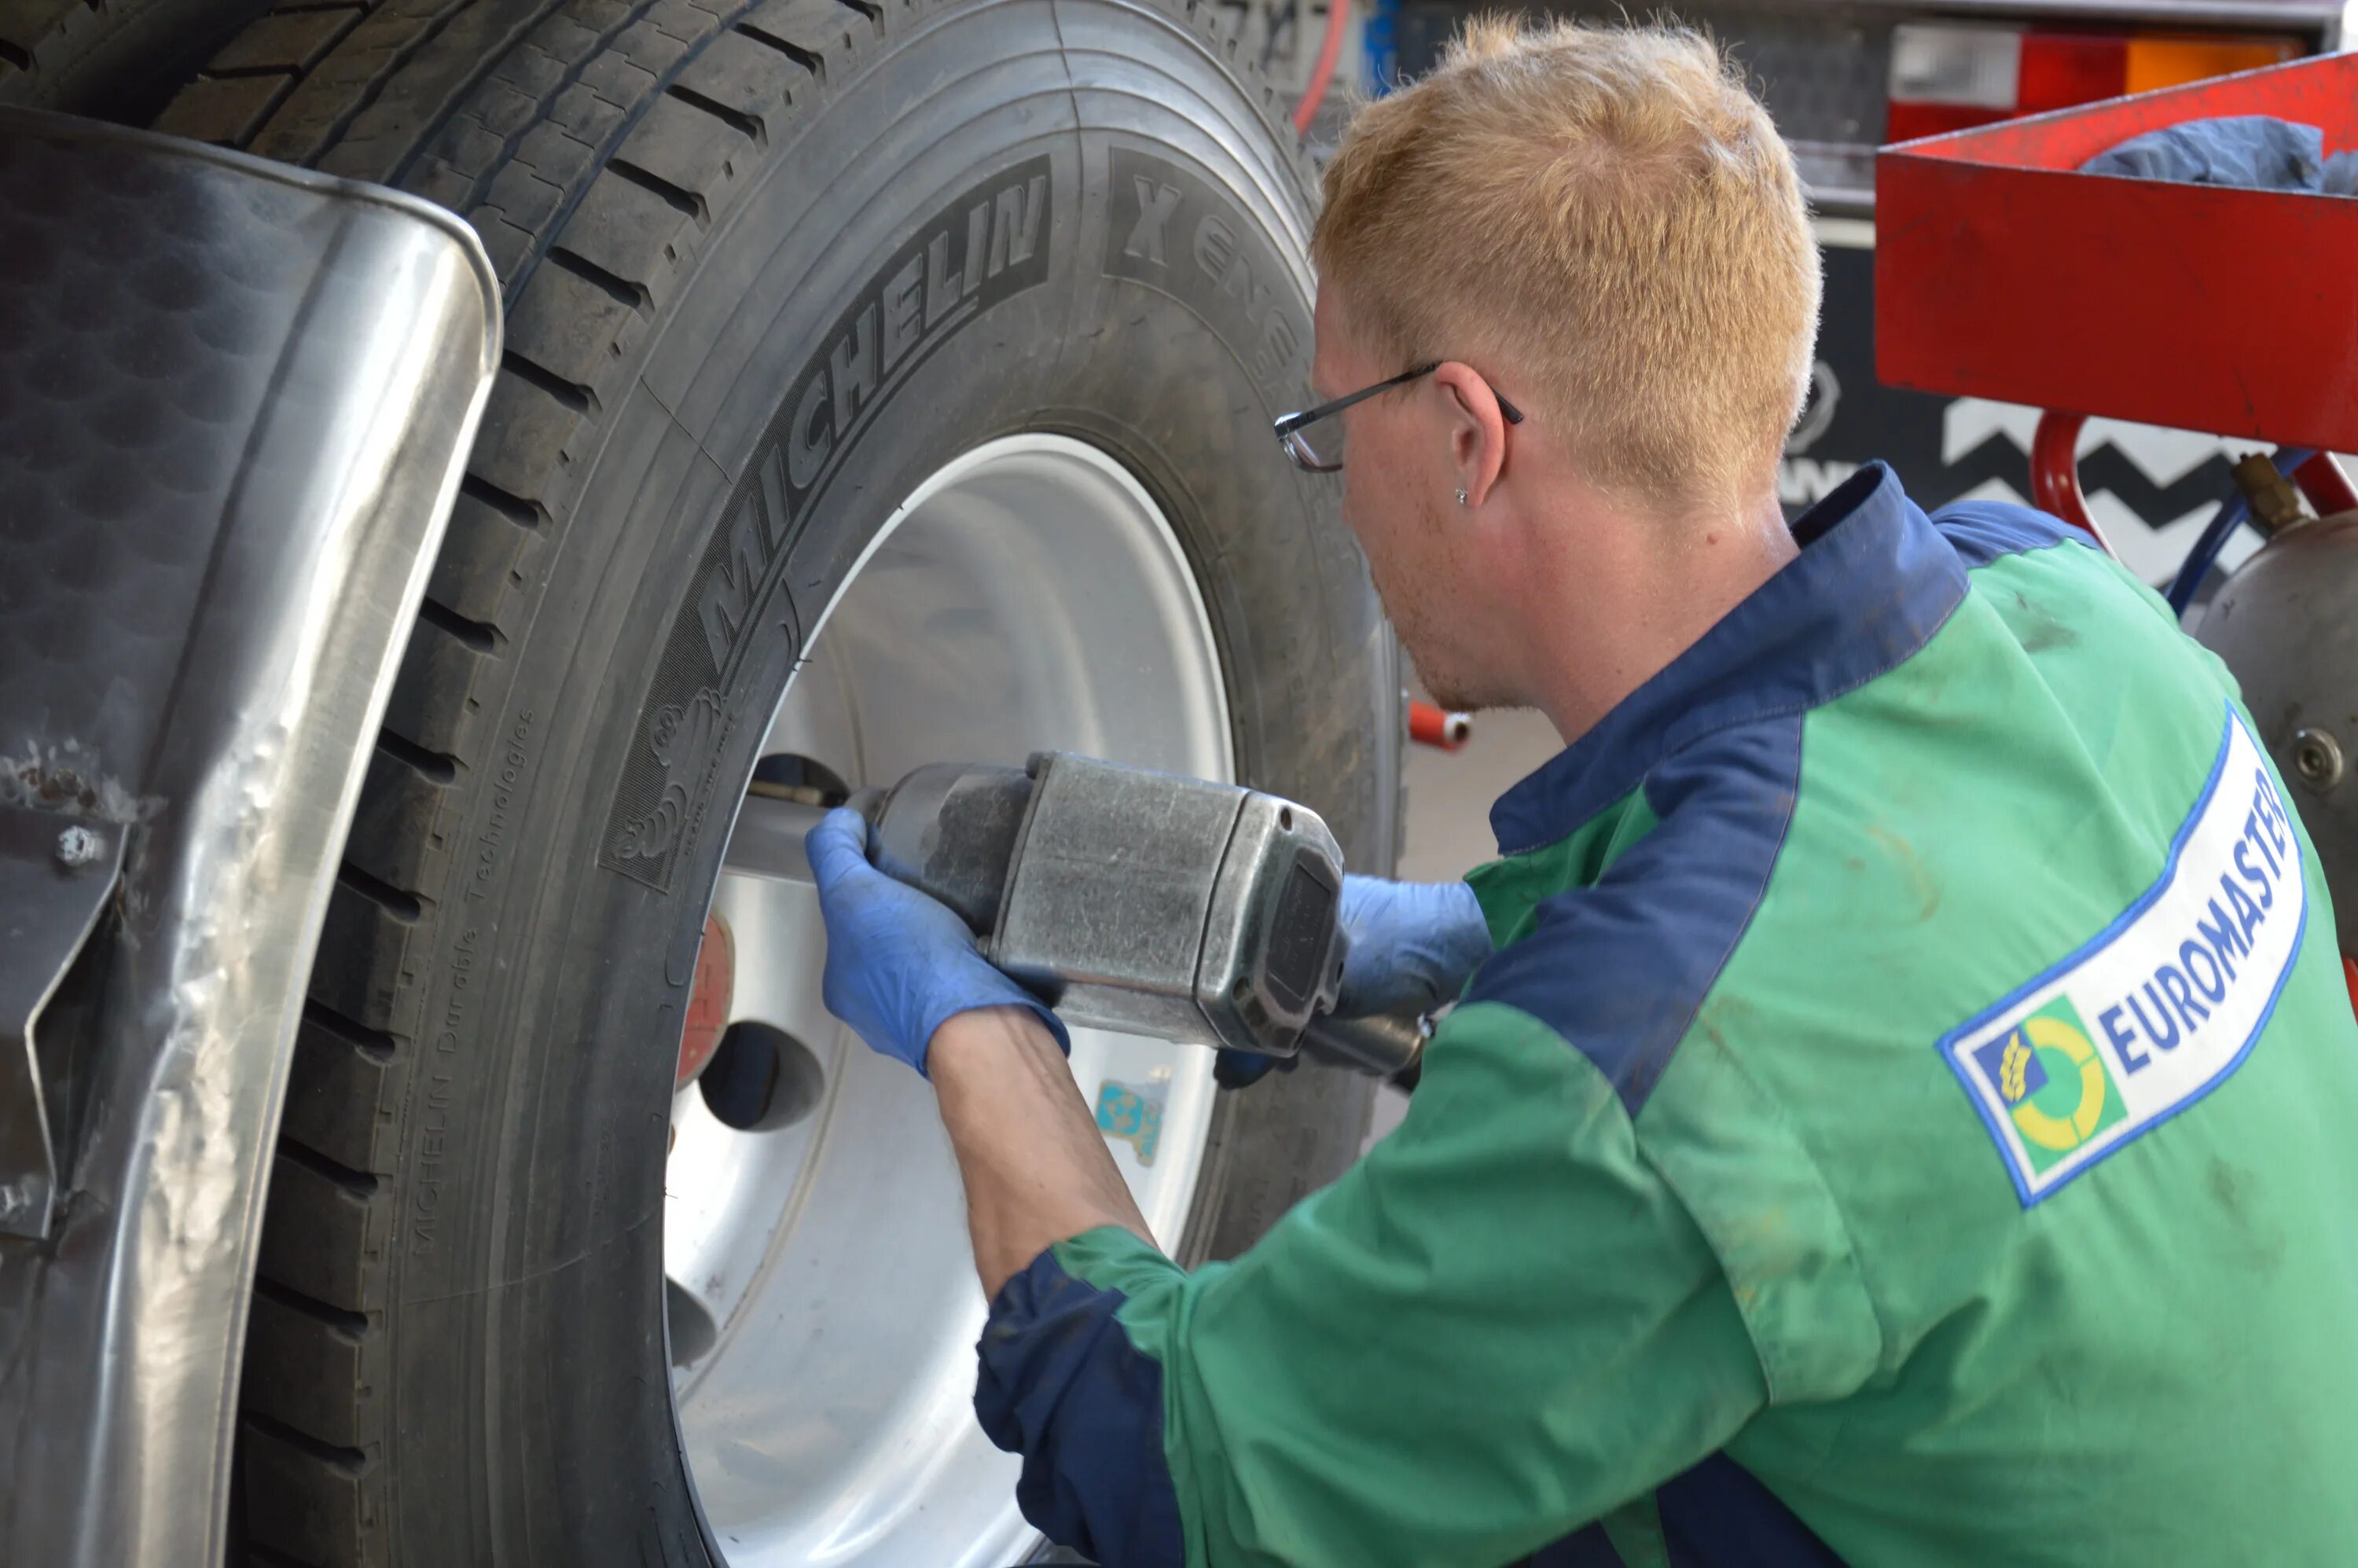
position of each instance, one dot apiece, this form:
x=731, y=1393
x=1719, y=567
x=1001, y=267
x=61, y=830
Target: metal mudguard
x=234, y=399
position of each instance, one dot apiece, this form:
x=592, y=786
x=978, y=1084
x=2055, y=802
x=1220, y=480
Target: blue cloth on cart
x=2257, y=151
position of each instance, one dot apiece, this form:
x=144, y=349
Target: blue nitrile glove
x=898, y=963
x=1412, y=944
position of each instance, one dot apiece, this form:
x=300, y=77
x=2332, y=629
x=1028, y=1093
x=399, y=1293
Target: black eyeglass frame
x=1290, y=428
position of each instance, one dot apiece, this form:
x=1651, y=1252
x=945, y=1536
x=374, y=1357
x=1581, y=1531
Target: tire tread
x=111, y=59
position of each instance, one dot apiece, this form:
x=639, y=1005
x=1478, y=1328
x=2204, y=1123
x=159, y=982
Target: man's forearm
x=1035, y=1167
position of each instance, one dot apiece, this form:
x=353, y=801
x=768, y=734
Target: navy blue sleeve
x=1620, y=969
x=1061, y=1385
x=1982, y=531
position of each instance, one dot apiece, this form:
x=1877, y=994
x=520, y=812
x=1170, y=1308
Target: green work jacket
x=1911, y=1117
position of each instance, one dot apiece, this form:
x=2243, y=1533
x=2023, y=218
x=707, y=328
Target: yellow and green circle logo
x=2053, y=1083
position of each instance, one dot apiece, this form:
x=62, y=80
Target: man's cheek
x=1354, y=512
x=1393, y=572
x=1365, y=519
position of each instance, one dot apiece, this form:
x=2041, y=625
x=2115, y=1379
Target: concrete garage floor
x=1449, y=796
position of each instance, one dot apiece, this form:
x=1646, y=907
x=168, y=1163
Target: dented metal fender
x=234, y=401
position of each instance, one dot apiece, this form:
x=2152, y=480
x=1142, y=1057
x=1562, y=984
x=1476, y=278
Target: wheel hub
x=823, y=1302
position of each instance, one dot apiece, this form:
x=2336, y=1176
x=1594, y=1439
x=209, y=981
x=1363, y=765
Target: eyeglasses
x=1326, y=455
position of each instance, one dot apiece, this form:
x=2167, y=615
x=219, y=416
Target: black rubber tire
x=457, y=1351
x=114, y=60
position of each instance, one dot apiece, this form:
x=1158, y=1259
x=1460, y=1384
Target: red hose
x=1430, y=726
x=1330, y=50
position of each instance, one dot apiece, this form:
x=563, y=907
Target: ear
x=1478, y=430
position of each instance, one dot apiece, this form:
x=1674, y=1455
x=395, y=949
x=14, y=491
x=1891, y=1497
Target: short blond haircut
x=1607, y=215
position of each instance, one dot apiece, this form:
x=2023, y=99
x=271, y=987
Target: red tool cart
x=2002, y=272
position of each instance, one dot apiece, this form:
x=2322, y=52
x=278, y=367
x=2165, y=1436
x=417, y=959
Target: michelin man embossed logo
x=685, y=743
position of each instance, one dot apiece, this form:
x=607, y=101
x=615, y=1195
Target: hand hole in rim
x=806, y=781
x=760, y=1078
x=693, y=1332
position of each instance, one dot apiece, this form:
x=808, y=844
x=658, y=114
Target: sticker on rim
x=1132, y=1114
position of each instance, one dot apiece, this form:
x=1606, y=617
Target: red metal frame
x=2055, y=477
x=2328, y=488
x=2002, y=272
x=2055, y=473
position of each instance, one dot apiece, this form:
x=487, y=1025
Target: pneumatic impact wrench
x=1126, y=899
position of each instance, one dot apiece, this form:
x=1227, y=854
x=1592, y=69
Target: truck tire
x=115, y=60
x=767, y=266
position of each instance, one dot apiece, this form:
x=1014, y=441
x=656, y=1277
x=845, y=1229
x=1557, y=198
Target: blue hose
x=2231, y=511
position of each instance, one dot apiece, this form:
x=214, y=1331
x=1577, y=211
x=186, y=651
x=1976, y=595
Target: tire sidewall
x=1161, y=312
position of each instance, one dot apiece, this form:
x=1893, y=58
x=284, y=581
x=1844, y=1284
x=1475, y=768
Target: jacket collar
x=1873, y=581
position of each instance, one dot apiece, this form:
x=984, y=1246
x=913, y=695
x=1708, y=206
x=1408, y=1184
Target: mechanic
x=1900, y=1105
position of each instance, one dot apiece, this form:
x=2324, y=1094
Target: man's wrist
x=982, y=1031
x=1035, y=1166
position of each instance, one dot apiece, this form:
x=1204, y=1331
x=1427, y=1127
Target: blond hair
x=1607, y=216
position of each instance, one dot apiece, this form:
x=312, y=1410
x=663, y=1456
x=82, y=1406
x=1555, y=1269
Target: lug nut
x=77, y=846
x=2317, y=758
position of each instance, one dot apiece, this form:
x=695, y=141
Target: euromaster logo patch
x=2053, y=1083
x=2155, y=1009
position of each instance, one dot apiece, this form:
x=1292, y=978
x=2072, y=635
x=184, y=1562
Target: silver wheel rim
x=1030, y=595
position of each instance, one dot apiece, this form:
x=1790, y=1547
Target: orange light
x=2174, y=60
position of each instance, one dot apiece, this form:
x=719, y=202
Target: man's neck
x=1646, y=590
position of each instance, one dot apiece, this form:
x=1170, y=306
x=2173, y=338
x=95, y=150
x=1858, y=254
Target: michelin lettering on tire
x=1174, y=234
x=985, y=247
